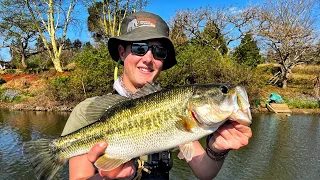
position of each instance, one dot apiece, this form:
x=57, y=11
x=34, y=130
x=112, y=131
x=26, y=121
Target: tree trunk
x=284, y=83
x=285, y=76
x=57, y=65
x=23, y=61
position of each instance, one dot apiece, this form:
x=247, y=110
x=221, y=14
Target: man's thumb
x=96, y=151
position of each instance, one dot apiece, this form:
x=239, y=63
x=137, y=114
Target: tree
x=87, y=45
x=94, y=23
x=213, y=37
x=105, y=17
x=177, y=34
x=54, y=16
x=288, y=28
x=67, y=44
x=247, y=52
x=17, y=30
x=77, y=44
x=216, y=28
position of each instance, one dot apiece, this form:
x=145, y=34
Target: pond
x=282, y=147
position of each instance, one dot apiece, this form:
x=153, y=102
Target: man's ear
x=121, y=51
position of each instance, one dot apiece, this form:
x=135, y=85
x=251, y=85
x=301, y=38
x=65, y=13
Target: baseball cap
x=142, y=26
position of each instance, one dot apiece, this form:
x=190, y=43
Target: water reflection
x=282, y=147
x=17, y=127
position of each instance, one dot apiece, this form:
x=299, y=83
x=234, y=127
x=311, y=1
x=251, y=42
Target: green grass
x=306, y=69
x=306, y=103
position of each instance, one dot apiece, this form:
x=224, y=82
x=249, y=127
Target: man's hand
x=125, y=171
x=231, y=135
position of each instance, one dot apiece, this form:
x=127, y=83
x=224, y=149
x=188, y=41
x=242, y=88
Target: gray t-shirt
x=77, y=118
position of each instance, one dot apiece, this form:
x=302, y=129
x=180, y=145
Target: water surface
x=282, y=147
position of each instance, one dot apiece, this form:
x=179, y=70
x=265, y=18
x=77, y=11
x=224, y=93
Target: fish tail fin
x=44, y=158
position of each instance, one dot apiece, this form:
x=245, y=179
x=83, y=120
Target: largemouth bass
x=134, y=127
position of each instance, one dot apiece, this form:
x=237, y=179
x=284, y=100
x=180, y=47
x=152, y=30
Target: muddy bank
x=32, y=107
x=294, y=111
x=23, y=106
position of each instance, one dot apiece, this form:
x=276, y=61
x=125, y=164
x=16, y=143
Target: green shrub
x=257, y=102
x=38, y=62
x=198, y=64
x=93, y=75
x=61, y=89
x=10, y=71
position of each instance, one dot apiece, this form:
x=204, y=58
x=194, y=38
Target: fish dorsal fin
x=101, y=104
x=148, y=88
x=186, y=151
x=107, y=163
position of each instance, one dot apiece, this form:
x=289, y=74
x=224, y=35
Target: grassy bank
x=34, y=91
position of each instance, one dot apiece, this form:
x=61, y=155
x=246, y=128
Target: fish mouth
x=241, y=113
x=236, y=108
x=242, y=117
x=234, y=105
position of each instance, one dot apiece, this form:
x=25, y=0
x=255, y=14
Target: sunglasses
x=141, y=49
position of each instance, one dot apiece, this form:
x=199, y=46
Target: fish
x=150, y=123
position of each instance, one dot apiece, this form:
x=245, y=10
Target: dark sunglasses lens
x=139, y=48
x=159, y=52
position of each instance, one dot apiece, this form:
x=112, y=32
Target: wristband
x=216, y=156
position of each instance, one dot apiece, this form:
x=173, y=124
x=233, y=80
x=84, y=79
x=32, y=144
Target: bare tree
x=231, y=23
x=53, y=16
x=288, y=28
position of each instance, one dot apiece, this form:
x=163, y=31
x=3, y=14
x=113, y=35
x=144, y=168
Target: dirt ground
x=35, y=86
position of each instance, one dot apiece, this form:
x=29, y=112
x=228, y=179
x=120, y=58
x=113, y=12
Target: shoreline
x=294, y=111
x=29, y=107
x=23, y=106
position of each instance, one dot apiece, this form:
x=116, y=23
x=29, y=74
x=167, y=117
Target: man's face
x=140, y=69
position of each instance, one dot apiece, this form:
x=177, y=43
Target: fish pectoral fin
x=107, y=163
x=186, y=123
x=186, y=151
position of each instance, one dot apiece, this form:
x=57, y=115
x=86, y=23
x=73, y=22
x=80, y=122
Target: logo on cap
x=141, y=22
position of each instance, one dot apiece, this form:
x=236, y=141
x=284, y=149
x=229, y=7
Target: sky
x=164, y=8
x=167, y=8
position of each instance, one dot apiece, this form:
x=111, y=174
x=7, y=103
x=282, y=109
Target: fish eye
x=224, y=89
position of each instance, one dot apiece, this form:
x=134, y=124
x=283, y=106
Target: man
x=145, y=49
